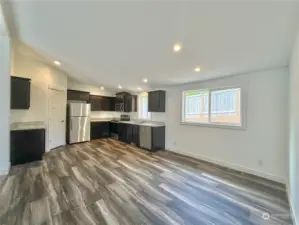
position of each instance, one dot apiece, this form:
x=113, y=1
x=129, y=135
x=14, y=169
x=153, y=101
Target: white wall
x=294, y=131
x=4, y=101
x=265, y=137
x=42, y=77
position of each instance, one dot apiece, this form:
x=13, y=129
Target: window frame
x=243, y=109
x=149, y=115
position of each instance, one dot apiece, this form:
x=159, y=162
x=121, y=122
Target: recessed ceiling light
x=177, y=47
x=102, y=88
x=197, y=69
x=139, y=88
x=57, y=63
x=145, y=80
x=120, y=87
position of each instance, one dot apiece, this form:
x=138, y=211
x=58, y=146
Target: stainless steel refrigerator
x=78, y=122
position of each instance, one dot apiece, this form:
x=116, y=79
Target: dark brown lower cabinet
x=26, y=146
x=135, y=135
x=122, y=132
x=99, y=130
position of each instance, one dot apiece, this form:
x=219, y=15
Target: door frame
x=50, y=89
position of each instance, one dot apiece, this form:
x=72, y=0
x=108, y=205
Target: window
x=213, y=107
x=143, y=106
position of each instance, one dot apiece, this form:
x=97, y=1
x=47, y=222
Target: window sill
x=214, y=125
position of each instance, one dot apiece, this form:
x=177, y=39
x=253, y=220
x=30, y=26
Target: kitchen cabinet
x=135, y=135
x=129, y=133
x=126, y=99
x=122, y=132
x=152, y=138
x=156, y=101
x=99, y=130
x=114, y=127
x=74, y=95
x=128, y=103
x=20, y=93
x=101, y=103
x=134, y=103
x=26, y=146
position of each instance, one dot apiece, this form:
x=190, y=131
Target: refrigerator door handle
x=71, y=125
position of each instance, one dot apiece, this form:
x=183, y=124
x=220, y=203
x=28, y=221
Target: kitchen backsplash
x=103, y=114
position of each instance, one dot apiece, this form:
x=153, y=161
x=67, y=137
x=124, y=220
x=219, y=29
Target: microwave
x=119, y=107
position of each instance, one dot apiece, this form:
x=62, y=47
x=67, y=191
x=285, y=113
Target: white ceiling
x=122, y=42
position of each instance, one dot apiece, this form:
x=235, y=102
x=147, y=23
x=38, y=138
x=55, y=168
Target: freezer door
x=79, y=109
x=79, y=129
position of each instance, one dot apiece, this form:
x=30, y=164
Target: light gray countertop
x=28, y=125
x=100, y=119
x=135, y=122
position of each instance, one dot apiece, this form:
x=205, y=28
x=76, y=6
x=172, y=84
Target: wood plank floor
x=108, y=182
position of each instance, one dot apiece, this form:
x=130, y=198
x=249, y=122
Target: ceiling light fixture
x=144, y=80
x=177, y=47
x=57, y=63
x=120, y=87
x=197, y=69
x=102, y=88
x=139, y=88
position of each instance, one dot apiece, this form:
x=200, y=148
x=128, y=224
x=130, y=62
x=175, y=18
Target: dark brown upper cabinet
x=128, y=100
x=74, y=95
x=135, y=103
x=102, y=103
x=20, y=93
x=156, y=101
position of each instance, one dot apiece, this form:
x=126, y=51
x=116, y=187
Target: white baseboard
x=295, y=220
x=3, y=172
x=234, y=167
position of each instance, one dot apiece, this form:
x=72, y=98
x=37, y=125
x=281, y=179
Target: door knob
x=62, y=121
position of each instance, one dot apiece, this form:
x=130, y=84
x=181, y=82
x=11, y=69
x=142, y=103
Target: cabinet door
x=99, y=130
x=134, y=103
x=128, y=103
x=129, y=133
x=107, y=103
x=156, y=101
x=26, y=146
x=150, y=101
x=74, y=95
x=104, y=130
x=94, y=131
x=96, y=103
x=135, y=136
x=122, y=132
x=153, y=99
x=113, y=127
x=20, y=93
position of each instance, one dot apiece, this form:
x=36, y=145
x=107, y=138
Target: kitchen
x=88, y=117
x=185, y=117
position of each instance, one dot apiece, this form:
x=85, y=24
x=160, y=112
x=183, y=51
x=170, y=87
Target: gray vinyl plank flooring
x=109, y=182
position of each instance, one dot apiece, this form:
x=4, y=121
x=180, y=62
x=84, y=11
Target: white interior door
x=57, y=116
